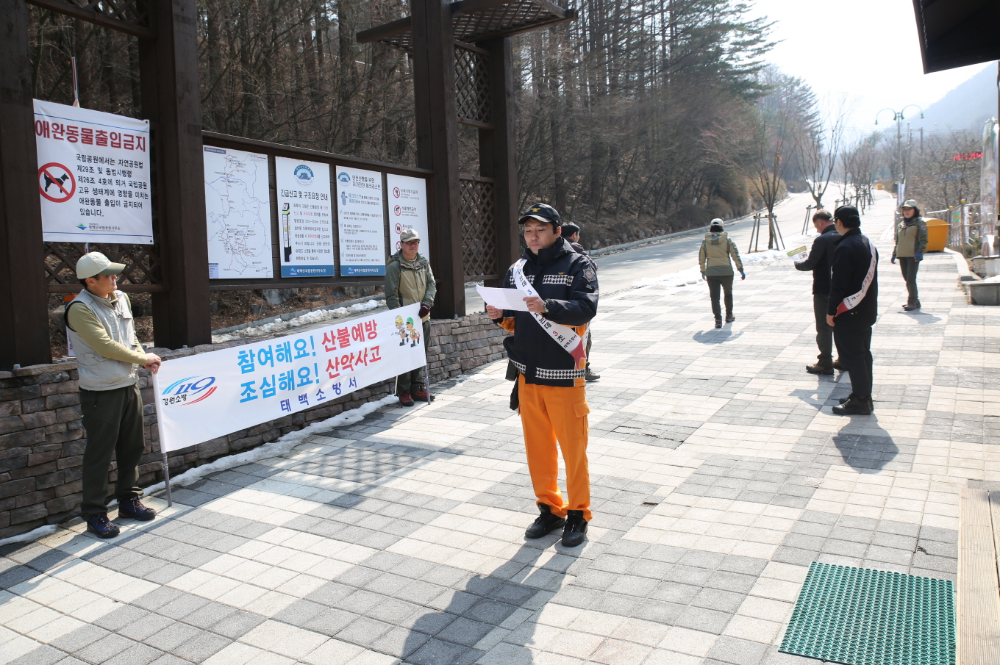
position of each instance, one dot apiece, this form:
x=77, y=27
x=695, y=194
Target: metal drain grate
x=860, y=616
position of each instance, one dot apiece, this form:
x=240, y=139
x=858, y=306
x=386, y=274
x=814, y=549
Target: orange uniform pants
x=550, y=414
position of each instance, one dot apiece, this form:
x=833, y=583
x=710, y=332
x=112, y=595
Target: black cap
x=543, y=212
x=569, y=228
x=848, y=216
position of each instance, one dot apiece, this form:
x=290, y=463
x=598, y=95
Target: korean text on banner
x=93, y=176
x=208, y=395
x=305, y=218
x=238, y=211
x=407, y=210
x=361, y=220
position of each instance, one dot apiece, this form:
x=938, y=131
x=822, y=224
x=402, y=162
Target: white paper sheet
x=503, y=298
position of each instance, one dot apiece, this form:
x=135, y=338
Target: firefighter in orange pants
x=547, y=349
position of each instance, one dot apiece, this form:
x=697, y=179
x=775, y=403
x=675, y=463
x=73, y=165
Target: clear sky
x=866, y=50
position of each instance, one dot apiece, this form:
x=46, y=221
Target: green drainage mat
x=870, y=617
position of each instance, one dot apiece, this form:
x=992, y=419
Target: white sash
x=565, y=336
x=851, y=301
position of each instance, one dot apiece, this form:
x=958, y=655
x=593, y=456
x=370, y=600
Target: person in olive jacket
x=716, y=269
x=911, y=241
x=408, y=280
x=819, y=260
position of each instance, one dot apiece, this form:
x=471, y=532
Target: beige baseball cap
x=409, y=235
x=95, y=263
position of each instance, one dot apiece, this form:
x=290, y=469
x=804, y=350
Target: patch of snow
x=992, y=280
x=30, y=536
x=278, y=325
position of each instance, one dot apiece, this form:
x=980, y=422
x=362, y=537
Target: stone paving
x=719, y=474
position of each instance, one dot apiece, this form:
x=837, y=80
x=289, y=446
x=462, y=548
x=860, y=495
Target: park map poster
x=305, y=218
x=238, y=211
x=93, y=176
x=361, y=220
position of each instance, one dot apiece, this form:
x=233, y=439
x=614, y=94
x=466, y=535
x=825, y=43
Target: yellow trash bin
x=937, y=234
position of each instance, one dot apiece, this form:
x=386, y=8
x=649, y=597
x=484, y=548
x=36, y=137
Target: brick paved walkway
x=718, y=471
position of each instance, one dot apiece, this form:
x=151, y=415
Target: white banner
x=305, y=218
x=93, y=176
x=361, y=220
x=238, y=208
x=208, y=395
x=407, y=210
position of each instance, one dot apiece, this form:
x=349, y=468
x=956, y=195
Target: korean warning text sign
x=93, y=176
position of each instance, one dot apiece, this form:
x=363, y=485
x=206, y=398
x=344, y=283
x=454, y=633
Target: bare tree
x=816, y=148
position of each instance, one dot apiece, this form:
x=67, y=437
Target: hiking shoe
x=910, y=308
x=101, y=526
x=854, y=407
x=575, y=530
x=405, y=399
x=132, y=508
x=589, y=375
x=845, y=400
x=730, y=318
x=839, y=366
x=718, y=323
x=820, y=369
x=420, y=394
x=544, y=523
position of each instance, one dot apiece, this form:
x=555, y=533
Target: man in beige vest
x=102, y=332
x=409, y=280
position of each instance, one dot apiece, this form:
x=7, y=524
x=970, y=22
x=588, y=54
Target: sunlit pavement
x=719, y=474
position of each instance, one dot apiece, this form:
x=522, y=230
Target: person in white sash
x=547, y=349
x=853, y=308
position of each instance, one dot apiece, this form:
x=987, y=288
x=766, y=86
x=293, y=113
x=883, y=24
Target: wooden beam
x=380, y=32
x=171, y=97
x=504, y=152
x=977, y=607
x=90, y=16
x=473, y=6
x=437, y=148
x=24, y=325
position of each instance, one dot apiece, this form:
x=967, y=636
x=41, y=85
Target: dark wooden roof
x=476, y=20
x=955, y=33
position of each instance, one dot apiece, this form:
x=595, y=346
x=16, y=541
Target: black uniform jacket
x=567, y=282
x=851, y=261
x=820, y=259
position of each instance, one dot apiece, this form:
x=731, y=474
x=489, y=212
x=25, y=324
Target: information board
x=238, y=210
x=361, y=221
x=407, y=210
x=305, y=218
x=93, y=175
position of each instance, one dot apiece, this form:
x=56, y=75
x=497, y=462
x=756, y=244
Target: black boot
x=545, y=523
x=854, y=407
x=575, y=530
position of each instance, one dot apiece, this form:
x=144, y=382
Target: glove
x=743, y=275
x=704, y=276
x=893, y=259
x=918, y=256
x=424, y=311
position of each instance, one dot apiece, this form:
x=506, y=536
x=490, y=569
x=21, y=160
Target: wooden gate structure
x=463, y=74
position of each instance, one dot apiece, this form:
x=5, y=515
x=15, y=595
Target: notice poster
x=238, y=210
x=207, y=395
x=407, y=210
x=93, y=176
x=361, y=221
x=305, y=218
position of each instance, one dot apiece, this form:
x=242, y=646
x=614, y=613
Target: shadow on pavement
x=716, y=335
x=923, y=318
x=869, y=452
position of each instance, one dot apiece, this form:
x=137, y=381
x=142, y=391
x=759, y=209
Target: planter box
x=984, y=293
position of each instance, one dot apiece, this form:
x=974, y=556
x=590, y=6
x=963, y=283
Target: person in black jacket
x=571, y=232
x=819, y=260
x=853, y=308
x=560, y=292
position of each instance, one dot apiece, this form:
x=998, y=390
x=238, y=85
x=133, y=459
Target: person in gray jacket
x=911, y=241
x=716, y=268
x=819, y=261
x=108, y=353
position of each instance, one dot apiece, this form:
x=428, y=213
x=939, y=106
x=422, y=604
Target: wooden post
x=502, y=151
x=171, y=99
x=24, y=325
x=437, y=147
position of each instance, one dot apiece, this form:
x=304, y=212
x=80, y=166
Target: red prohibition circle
x=399, y=228
x=397, y=210
x=47, y=178
x=395, y=192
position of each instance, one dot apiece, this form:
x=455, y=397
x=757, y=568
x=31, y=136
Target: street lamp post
x=898, y=117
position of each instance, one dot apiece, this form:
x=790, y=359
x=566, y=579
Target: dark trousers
x=824, y=333
x=113, y=422
x=414, y=378
x=854, y=346
x=590, y=340
x=726, y=284
x=909, y=266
